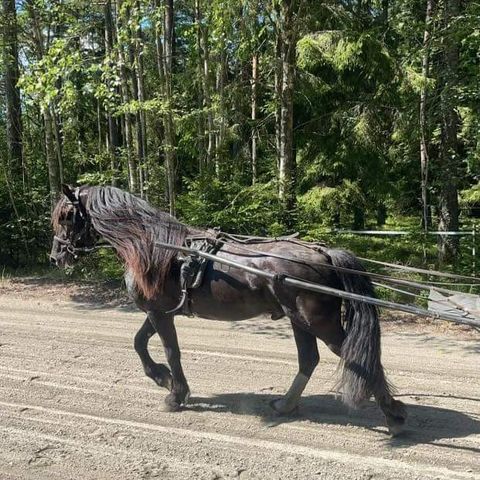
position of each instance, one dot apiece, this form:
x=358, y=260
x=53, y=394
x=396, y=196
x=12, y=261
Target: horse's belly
x=227, y=300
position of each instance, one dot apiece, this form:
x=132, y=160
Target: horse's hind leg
x=395, y=413
x=159, y=373
x=165, y=328
x=333, y=335
x=307, y=361
x=329, y=329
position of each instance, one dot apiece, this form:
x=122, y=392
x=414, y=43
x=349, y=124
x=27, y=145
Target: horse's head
x=72, y=227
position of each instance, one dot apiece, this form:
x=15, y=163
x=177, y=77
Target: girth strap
x=192, y=270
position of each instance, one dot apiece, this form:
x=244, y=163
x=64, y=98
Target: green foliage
x=327, y=205
x=356, y=117
x=253, y=210
x=471, y=196
x=100, y=265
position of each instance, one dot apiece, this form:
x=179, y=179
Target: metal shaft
x=314, y=287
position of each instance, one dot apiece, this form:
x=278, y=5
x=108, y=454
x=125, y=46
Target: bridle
x=75, y=251
x=79, y=214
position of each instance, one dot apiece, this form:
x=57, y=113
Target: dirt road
x=74, y=403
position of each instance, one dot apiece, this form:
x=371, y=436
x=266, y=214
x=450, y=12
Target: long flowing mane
x=133, y=226
x=60, y=211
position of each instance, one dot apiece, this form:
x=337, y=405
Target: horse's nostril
x=53, y=260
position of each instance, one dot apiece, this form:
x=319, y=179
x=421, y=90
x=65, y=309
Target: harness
x=193, y=269
x=79, y=211
x=193, y=265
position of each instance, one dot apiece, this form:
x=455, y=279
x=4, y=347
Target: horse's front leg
x=165, y=327
x=158, y=372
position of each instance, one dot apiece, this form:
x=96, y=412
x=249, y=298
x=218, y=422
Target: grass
x=416, y=249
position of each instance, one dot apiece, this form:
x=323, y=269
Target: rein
x=76, y=250
x=317, y=246
x=307, y=285
x=373, y=275
x=228, y=239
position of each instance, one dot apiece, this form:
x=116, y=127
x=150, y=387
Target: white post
x=474, y=249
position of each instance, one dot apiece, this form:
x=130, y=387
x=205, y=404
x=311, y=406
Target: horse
x=87, y=215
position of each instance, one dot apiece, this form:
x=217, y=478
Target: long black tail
x=363, y=374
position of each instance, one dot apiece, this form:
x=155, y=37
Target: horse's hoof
x=280, y=408
x=171, y=403
x=395, y=427
x=171, y=407
x=175, y=401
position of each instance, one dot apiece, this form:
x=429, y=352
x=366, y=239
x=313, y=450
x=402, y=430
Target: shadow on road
x=87, y=295
x=443, y=343
x=425, y=424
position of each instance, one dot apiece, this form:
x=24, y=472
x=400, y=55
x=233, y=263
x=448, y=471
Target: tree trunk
x=160, y=120
x=254, y=116
x=448, y=210
x=142, y=119
x=12, y=93
x=169, y=126
x=128, y=120
x=138, y=91
x=381, y=214
x=287, y=155
x=278, y=92
x=220, y=128
x=51, y=133
x=201, y=99
x=207, y=103
x=52, y=162
x=423, y=114
x=136, y=117
x=114, y=141
x=57, y=135
x=358, y=218
x=385, y=8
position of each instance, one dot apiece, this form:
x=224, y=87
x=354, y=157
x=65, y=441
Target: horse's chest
x=130, y=284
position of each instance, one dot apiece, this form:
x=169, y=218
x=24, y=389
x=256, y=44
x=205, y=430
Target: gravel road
x=74, y=403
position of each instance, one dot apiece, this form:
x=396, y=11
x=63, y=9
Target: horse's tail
x=363, y=374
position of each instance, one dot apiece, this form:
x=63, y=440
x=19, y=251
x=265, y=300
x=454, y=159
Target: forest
x=256, y=116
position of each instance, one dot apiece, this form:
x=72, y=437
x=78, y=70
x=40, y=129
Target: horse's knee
x=140, y=342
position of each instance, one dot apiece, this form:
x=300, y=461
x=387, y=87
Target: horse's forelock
x=60, y=211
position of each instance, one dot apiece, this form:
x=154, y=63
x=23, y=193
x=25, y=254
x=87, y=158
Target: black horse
x=132, y=227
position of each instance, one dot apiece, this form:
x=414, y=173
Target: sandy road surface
x=74, y=403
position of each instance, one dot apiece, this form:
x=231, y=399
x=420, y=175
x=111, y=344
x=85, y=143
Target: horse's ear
x=68, y=192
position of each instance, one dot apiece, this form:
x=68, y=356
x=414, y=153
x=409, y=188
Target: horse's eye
x=67, y=220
